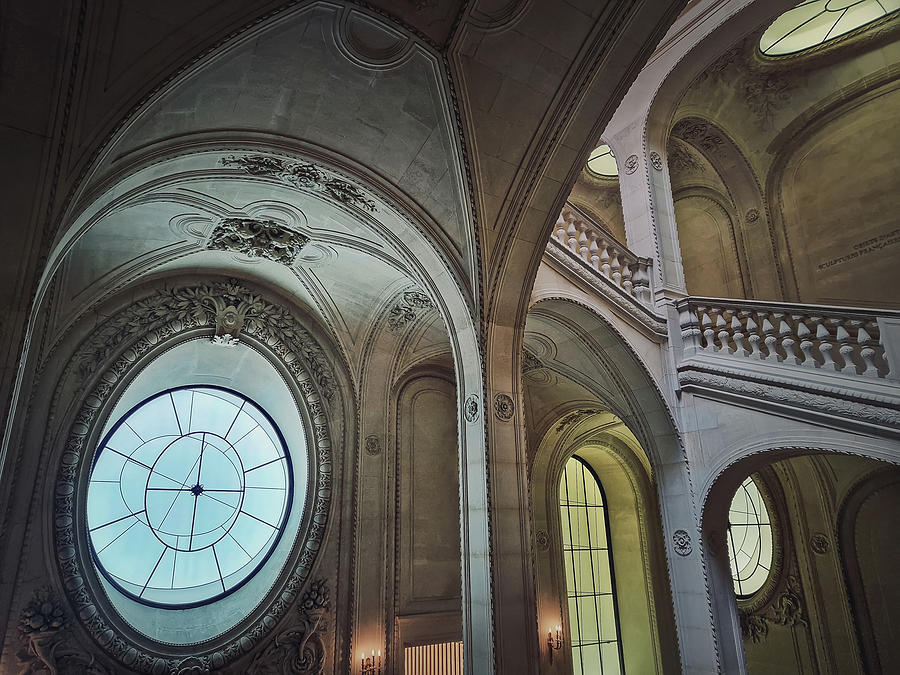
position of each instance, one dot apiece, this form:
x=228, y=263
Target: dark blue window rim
x=278, y=532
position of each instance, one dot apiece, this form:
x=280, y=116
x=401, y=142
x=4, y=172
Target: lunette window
x=187, y=497
x=590, y=584
x=815, y=22
x=749, y=539
x=602, y=162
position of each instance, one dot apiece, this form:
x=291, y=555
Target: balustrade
x=836, y=339
x=600, y=251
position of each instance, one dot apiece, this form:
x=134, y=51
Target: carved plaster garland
x=303, y=175
x=120, y=344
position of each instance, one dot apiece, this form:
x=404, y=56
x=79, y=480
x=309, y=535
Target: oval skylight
x=814, y=22
x=187, y=497
x=749, y=539
x=603, y=162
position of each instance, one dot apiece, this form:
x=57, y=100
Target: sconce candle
x=554, y=644
x=370, y=665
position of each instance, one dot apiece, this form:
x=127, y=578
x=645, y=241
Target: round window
x=749, y=539
x=188, y=496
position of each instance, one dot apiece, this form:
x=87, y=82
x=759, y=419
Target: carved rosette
x=656, y=161
x=681, y=542
x=108, y=357
x=819, y=543
x=542, y=540
x=631, y=164
x=503, y=407
x=373, y=446
x=470, y=408
x=303, y=175
x=257, y=239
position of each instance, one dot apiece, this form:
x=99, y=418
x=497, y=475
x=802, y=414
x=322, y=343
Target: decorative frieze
x=257, y=239
x=303, y=175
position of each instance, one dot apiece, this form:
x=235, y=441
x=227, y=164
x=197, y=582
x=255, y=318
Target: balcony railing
x=597, y=249
x=833, y=339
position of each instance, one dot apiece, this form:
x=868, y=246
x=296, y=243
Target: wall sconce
x=554, y=644
x=371, y=665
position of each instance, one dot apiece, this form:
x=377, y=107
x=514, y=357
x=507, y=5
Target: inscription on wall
x=864, y=248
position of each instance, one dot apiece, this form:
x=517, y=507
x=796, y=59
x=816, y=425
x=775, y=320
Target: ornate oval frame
x=123, y=344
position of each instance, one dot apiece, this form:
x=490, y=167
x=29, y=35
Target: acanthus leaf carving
x=257, y=239
x=787, y=610
x=407, y=308
x=303, y=175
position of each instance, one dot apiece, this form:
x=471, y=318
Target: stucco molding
x=118, y=348
x=257, y=239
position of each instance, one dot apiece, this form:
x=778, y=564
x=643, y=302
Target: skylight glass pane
x=749, y=539
x=602, y=162
x=188, y=495
x=814, y=22
x=593, y=624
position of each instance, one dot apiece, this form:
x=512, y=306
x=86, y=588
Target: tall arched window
x=749, y=539
x=590, y=584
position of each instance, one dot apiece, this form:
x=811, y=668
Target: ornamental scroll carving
x=300, y=648
x=407, y=308
x=47, y=648
x=303, y=175
x=118, y=347
x=787, y=610
x=257, y=239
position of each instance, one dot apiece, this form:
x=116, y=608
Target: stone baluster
x=604, y=261
x=583, y=245
x=825, y=346
x=706, y=324
x=642, y=281
x=771, y=341
x=806, y=344
x=866, y=352
x=571, y=241
x=560, y=231
x=627, y=284
x=786, y=333
x=593, y=254
x=753, y=332
x=845, y=348
x=615, y=266
x=737, y=331
x=723, y=335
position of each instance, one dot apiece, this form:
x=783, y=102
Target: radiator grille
x=444, y=658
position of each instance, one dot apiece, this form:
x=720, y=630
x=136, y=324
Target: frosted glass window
x=749, y=539
x=187, y=497
x=603, y=162
x=590, y=590
x=814, y=22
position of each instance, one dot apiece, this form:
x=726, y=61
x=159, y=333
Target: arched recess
x=712, y=267
x=643, y=602
x=575, y=355
x=397, y=196
x=868, y=545
x=802, y=618
x=828, y=171
x=80, y=383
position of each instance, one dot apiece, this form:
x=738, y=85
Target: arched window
x=590, y=584
x=602, y=162
x=815, y=22
x=749, y=539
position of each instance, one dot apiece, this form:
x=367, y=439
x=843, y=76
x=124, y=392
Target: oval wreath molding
x=132, y=334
